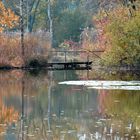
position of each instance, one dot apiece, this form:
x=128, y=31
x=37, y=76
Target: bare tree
x=50, y=21
x=22, y=28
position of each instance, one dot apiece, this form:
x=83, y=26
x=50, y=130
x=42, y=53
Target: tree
x=37, y=16
x=120, y=32
x=8, y=19
x=50, y=20
x=69, y=19
x=30, y=11
x=32, y=14
x=68, y=26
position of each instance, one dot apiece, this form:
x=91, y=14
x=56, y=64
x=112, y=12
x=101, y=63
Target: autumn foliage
x=8, y=115
x=117, y=33
x=8, y=19
x=121, y=35
x=36, y=46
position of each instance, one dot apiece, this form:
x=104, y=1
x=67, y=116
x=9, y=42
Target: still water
x=64, y=105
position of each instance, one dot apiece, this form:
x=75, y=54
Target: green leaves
x=124, y=35
x=68, y=25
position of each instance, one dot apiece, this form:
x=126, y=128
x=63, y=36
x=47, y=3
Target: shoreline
x=107, y=69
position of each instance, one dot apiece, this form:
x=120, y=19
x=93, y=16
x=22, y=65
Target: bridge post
x=65, y=56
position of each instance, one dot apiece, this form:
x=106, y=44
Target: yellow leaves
x=7, y=18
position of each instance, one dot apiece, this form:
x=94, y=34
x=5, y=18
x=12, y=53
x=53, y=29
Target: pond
x=68, y=105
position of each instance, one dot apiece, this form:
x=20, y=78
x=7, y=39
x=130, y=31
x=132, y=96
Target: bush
x=125, y=40
x=120, y=34
x=36, y=46
x=37, y=62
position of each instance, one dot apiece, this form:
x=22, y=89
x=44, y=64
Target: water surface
x=65, y=105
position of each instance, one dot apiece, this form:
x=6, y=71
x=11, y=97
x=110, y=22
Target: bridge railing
x=71, y=56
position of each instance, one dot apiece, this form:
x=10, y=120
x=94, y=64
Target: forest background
x=112, y=26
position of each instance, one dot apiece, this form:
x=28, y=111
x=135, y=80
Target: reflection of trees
x=13, y=84
x=66, y=116
x=55, y=112
x=110, y=74
x=8, y=115
x=122, y=107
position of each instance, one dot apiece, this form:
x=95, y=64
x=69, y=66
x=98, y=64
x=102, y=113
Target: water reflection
x=122, y=85
x=38, y=108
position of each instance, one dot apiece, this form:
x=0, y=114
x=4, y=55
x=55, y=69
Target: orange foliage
x=7, y=17
x=8, y=115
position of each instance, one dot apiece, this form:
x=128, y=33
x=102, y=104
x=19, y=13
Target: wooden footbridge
x=64, y=61
x=70, y=65
x=67, y=64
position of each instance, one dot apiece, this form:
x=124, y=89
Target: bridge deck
x=70, y=65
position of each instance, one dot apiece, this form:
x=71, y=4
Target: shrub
x=36, y=46
x=117, y=33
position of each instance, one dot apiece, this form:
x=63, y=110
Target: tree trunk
x=32, y=16
x=50, y=21
x=22, y=29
